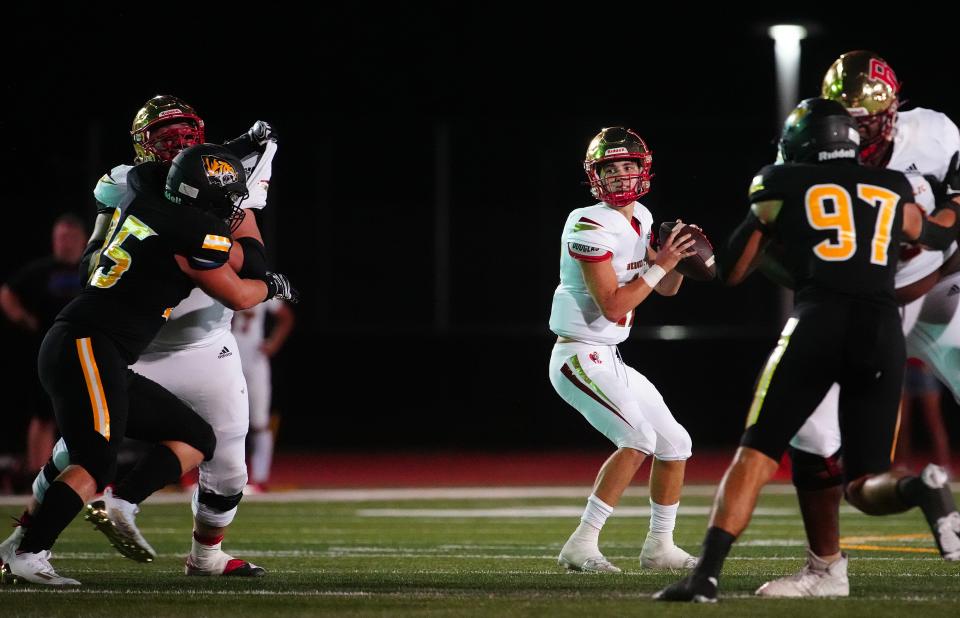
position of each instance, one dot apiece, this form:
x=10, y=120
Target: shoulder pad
x=112, y=186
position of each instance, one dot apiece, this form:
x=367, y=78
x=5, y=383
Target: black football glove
x=261, y=132
x=279, y=286
x=951, y=181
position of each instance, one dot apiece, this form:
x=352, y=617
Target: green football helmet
x=819, y=130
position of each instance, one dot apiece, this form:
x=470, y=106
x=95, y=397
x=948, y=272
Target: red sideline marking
x=459, y=469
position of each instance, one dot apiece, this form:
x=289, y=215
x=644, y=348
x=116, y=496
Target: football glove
x=261, y=132
x=279, y=286
x=951, y=181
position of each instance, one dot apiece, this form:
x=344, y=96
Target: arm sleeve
x=254, y=258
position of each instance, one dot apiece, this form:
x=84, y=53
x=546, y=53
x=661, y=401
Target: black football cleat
x=690, y=589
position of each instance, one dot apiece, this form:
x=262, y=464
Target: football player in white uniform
x=924, y=145
x=194, y=355
x=607, y=268
x=256, y=350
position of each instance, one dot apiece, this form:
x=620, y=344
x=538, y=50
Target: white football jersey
x=922, y=146
x=248, y=327
x=596, y=233
x=198, y=318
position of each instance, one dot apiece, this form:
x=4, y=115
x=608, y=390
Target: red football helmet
x=618, y=144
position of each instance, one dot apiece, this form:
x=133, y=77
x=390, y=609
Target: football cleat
x=815, y=579
x=584, y=557
x=947, y=536
x=115, y=518
x=690, y=589
x=223, y=564
x=9, y=547
x=35, y=568
x=663, y=554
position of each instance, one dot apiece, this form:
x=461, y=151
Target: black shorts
x=97, y=401
x=856, y=344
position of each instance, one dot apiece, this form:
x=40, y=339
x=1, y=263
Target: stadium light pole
x=786, y=51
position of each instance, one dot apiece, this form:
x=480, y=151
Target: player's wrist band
x=653, y=275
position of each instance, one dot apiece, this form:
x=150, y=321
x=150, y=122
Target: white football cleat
x=36, y=569
x=661, y=553
x=115, y=518
x=222, y=564
x=9, y=547
x=948, y=536
x=585, y=557
x=815, y=579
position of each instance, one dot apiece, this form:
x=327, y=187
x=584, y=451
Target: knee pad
x=813, y=472
x=61, y=456
x=213, y=509
x=677, y=445
x=643, y=438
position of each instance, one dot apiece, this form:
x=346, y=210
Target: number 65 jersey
x=137, y=270
x=838, y=224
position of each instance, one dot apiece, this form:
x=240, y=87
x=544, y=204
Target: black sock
x=934, y=502
x=716, y=546
x=60, y=505
x=159, y=468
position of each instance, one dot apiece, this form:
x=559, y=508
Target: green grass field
x=370, y=554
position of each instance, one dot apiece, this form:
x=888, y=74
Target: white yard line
x=438, y=493
x=550, y=512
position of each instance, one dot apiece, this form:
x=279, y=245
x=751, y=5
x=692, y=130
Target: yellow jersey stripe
x=760, y=393
x=91, y=374
x=896, y=435
x=217, y=243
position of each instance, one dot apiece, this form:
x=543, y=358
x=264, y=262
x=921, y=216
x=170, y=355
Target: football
x=700, y=267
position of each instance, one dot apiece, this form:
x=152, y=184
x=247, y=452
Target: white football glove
x=261, y=132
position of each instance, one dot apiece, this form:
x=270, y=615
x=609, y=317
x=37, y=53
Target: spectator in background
x=920, y=385
x=31, y=299
x=256, y=349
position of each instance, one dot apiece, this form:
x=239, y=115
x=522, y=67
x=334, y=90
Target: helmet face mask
x=164, y=142
x=818, y=131
x=164, y=126
x=618, y=185
x=865, y=84
x=211, y=178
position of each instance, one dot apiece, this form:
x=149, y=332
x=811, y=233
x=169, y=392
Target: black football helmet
x=819, y=130
x=618, y=144
x=211, y=178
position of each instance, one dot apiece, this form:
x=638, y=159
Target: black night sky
x=427, y=162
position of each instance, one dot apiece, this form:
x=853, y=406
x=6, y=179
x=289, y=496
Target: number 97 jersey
x=838, y=225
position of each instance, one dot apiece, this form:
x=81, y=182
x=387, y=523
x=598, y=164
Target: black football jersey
x=137, y=281
x=839, y=227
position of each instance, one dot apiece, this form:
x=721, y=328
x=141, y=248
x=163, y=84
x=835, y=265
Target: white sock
x=593, y=519
x=663, y=518
x=205, y=552
x=262, y=455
